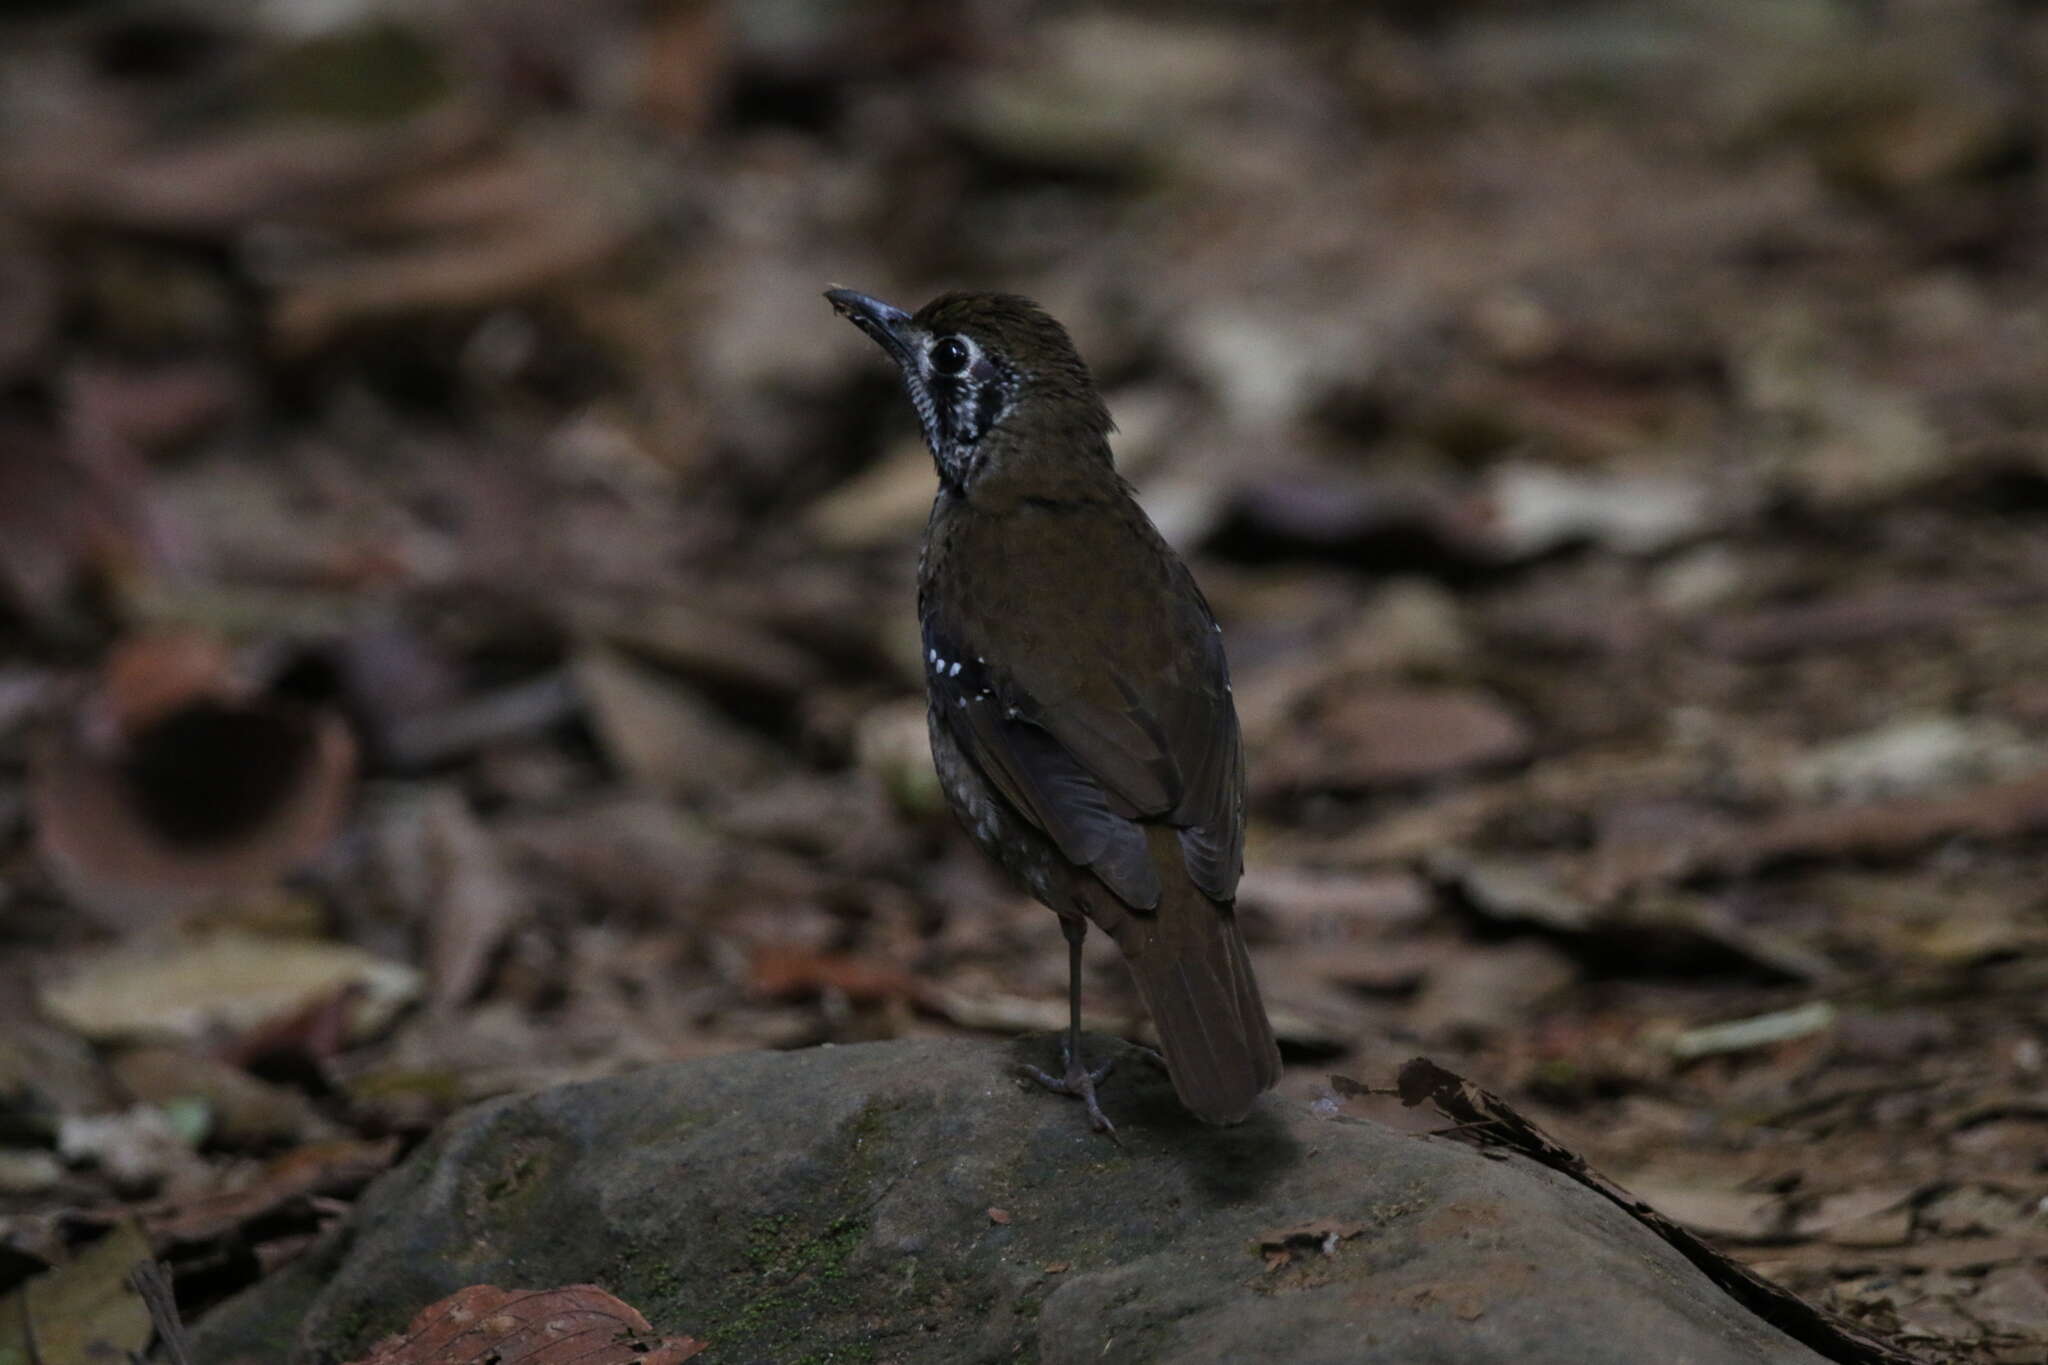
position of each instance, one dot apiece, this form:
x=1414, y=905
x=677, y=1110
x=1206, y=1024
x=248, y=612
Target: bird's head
x=984, y=369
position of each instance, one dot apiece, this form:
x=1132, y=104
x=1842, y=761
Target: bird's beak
x=885, y=322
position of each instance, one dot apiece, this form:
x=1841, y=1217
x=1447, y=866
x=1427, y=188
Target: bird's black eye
x=950, y=356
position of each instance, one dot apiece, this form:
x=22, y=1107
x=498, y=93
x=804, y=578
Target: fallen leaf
x=1911, y=754
x=222, y=982
x=660, y=734
x=148, y=408
x=1885, y=829
x=577, y=1325
x=561, y=234
x=783, y=972
x=1848, y=620
x=1484, y=990
x=448, y=874
x=881, y=505
x=1531, y=510
x=894, y=746
x=688, y=48
x=999, y=1216
x=2013, y=1299
x=1860, y=1218
x=1312, y=905
x=1741, y=1215
x=62, y=517
x=29, y=1170
x=100, y=171
x=246, y=1111
x=704, y=643
x=336, y=1169
x=1518, y=890
x=175, y=780
x=1361, y=736
x=81, y=1313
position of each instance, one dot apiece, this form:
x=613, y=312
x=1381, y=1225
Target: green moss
x=794, y=1281
x=518, y=1170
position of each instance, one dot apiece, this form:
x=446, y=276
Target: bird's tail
x=1189, y=961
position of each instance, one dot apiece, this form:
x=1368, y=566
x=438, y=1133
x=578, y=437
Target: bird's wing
x=1093, y=728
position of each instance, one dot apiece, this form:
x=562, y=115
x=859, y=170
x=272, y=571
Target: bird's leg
x=1078, y=1080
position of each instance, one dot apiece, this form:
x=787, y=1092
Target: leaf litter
x=1622, y=494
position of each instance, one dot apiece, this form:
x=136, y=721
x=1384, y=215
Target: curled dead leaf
x=173, y=780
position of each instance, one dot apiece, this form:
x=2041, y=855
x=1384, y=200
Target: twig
x=152, y=1280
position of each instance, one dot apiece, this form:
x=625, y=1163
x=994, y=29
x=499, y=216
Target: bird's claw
x=1080, y=1082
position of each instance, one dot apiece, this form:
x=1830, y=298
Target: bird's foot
x=1080, y=1082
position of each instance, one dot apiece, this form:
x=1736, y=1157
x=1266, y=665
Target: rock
x=834, y=1204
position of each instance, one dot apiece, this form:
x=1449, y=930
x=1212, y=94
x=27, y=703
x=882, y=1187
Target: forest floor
x=456, y=611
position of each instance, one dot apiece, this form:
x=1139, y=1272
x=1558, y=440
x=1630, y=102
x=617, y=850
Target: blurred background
x=456, y=575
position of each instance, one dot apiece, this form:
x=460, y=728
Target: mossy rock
x=835, y=1205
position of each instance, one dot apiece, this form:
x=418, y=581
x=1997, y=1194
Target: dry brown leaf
x=661, y=733
x=99, y=171
x=1852, y=620
x=245, y=1111
x=1363, y=736
x=221, y=981
x=175, y=780
x=82, y=1313
x=63, y=517
x=576, y=1325
x=497, y=229
x=782, y=972
x=446, y=870
x=687, y=49
x=327, y=1169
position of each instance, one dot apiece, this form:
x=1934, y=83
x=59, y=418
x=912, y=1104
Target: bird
x=1078, y=696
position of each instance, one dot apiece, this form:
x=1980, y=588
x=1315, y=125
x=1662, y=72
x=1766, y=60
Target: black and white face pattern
x=961, y=391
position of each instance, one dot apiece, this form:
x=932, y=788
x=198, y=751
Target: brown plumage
x=1080, y=708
